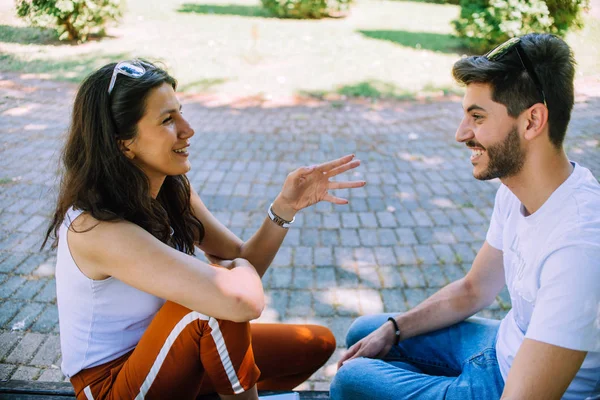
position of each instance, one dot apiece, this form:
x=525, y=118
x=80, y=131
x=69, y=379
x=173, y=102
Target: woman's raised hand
x=309, y=185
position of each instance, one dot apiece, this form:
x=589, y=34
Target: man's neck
x=541, y=175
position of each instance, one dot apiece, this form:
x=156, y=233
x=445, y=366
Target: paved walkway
x=414, y=228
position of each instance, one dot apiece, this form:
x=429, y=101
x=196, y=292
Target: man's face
x=491, y=134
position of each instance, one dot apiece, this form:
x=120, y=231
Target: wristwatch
x=278, y=220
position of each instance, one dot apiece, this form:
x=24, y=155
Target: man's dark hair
x=512, y=86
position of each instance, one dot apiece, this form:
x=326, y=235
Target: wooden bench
x=34, y=390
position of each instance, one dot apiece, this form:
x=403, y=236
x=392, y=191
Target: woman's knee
x=329, y=342
x=324, y=343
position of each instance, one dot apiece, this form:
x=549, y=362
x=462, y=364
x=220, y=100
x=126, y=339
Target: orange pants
x=184, y=354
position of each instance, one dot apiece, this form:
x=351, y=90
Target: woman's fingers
x=334, y=200
x=341, y=185
x=302, y=171
x=343, y=168
x=312, y=182
x=328, y=166
x=346, y=185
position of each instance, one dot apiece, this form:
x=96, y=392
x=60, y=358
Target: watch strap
x=278, y=220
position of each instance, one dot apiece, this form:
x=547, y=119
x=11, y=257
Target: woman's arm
x=221, y=244
x=302, y=188
x=132, y=255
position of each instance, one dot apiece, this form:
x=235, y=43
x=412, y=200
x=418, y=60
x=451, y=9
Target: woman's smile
x=182, y=151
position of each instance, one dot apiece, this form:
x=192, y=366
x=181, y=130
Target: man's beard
x=506, y=159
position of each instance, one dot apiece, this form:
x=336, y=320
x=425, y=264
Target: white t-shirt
x=552, y=270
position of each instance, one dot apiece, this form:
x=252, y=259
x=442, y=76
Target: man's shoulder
x=576, y=224
x=585, y=185
x=583, y=202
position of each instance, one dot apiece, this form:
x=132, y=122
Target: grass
x=71, y=69
x=202, y=85
x=376, y=90
x=240, y=10
x=27, y=35
x=444, y=43
x=372, y=89
x=383, y=49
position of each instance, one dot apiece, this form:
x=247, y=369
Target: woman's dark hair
x=512, y=86
x=99, y=179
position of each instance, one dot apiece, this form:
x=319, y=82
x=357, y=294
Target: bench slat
x=21, y=396
x=36, y=390
x=37, y=387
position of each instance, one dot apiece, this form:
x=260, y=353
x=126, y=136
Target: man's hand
x=376, y=345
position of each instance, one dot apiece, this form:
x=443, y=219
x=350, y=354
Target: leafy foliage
x=483, y=24
x=306, y=9
x=567, y=13
x=74, y=20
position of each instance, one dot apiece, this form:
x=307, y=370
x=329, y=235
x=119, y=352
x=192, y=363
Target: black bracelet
x=397, y=332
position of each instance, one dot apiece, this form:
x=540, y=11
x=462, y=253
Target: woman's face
x=160, y=146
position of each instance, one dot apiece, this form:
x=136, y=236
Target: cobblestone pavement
x=415, y=227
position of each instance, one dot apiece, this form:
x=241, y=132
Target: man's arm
x=563, y=326
x=541, y=371
x=460, y=299
x=452, y=304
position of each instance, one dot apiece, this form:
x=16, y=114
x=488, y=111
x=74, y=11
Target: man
x=543, y=242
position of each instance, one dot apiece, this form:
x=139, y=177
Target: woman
x=139, y=315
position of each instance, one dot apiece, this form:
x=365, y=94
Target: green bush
x=482, y=24
x=74, y=20
x=455, y=2
x=305, y=9
x=567, y=13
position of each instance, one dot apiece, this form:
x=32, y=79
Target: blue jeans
x=454, y=363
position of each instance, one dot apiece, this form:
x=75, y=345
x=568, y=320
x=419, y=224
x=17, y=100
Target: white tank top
x=99, y=320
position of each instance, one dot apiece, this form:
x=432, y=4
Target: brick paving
x=415, y=227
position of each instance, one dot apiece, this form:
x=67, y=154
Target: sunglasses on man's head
x=515, y=43
x=132, y=69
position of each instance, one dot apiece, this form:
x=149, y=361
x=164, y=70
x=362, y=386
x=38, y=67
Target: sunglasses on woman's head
x=515, y=43
x=133, y=69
